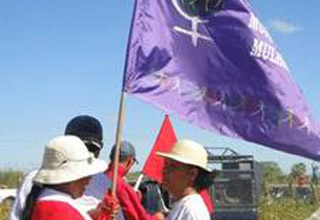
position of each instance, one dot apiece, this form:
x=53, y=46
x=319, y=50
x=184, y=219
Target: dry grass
x=282, y=209
x=10, y=178
x=4, y=211
x=286, y=209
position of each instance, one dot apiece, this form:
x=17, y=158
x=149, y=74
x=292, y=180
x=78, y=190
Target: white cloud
x=284, y=27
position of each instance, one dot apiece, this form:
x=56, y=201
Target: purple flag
x=214, y=64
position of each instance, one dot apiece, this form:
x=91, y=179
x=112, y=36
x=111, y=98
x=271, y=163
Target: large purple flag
x=214, y=64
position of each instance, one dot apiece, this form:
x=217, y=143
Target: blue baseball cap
x=126, y=150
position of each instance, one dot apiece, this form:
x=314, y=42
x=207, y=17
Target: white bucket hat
x=188, y=152
x=66, y=158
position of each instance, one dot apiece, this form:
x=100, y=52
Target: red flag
x=165, y=141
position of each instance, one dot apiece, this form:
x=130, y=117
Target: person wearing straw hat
x=89, y=130
x=185, y=174
x=66, y=170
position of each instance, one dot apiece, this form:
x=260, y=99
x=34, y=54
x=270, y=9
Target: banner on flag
x=214, y=64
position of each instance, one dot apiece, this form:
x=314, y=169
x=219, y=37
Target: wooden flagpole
x=121, y=112
x=118, y=142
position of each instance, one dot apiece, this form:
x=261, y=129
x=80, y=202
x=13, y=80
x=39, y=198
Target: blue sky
x=60, y=58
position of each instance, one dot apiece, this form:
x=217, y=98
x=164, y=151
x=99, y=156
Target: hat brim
x=71, y=171
x=182, y=160
x=91, y=142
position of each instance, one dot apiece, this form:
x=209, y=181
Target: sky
x=59, y=59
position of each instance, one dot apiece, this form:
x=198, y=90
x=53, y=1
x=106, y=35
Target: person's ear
x=193, y=173
x=132, y=161
x=129, y=162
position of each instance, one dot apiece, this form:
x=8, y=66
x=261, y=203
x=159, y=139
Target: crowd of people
x=72, y=183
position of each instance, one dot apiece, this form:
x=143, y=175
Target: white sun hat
x=66, y=158
x=188, y=152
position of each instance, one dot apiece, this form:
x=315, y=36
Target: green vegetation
x=286, y=209
x=132, y=177
x=272, y=173
x=283, y=208
x=10, y=178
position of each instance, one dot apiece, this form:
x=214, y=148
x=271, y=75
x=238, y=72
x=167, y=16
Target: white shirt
x=190, y=207
x=21, y=196
x=95, y=191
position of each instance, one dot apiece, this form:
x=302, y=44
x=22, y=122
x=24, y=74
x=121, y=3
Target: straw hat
x=66, y=158
x=188, y=152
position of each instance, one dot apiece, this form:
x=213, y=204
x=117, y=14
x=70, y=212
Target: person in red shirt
x=89, y=130
x=66, y=170
x=129, y=199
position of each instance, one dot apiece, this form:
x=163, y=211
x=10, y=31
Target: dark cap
x=87, y=128
x=126, y=149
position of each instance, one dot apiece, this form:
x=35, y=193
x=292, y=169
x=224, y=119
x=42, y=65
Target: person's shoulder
x=44, y=206
x=192, y=199
x=195, y=206
x=198, y=202
x=53, y=210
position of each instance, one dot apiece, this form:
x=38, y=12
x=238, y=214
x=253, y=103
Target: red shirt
x=128, y=198
x=53, y=210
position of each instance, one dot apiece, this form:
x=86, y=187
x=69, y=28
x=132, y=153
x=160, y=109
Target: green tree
x=272, y=173
x=298, y=170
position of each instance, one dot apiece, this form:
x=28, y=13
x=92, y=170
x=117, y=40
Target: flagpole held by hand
x=121, y=111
